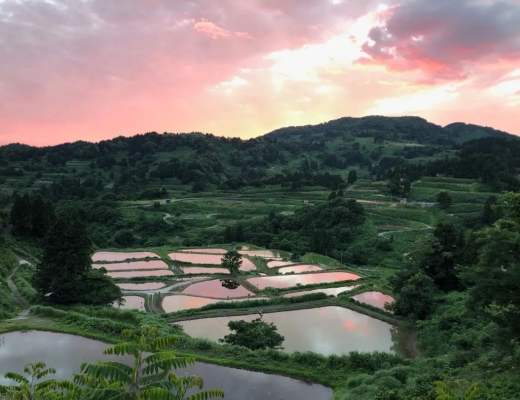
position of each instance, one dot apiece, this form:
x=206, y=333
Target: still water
x=325, y=330
x=282, y=282
x=66, y=353
x=115, y=256
x=215, y=289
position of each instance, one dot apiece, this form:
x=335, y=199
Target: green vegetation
x=255, y=335
x=418, y=211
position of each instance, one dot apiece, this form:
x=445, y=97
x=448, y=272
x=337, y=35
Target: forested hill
x=146, y=166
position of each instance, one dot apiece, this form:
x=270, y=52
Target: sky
x=96, y=69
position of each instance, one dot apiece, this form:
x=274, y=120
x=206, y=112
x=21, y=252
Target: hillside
x=148, y=165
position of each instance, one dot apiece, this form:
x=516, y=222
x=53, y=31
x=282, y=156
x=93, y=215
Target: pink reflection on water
x=204, y=270
x=205, y=250
x=142, y=286
x=114, y=256
x=208, y=259
x=214, y=288
x=375, y=299
x=287, y=281
x=275, y=264
x=136, y=274
x=135, y=265
x=258, y=253
x=298, y=269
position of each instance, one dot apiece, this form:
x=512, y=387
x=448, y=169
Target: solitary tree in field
x=352, y=177
x=232, y=260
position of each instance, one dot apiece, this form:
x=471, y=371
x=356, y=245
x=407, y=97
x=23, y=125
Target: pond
x=300, y=268
x=142, y=286
x=131, y=303
x=207, y=259
x=205, y=270
x=328, y=291
x=375, y=299
x=287, y=281
x=140, y=274
x=325, y=330
x=115, y=256
x=180, y=302
x=66, y=353
x=215, y=289
x=134, y=265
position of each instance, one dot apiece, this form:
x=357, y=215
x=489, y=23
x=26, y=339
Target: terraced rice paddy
x=132, y=303
x=205, y=250
x=114, y=256
x=276, y=263
x=375, y=299
x=181, y=302
x=300, y=268
x=215, y=289
x=134, y=265
x=287, y=281
x=204, y=270
x=142, y=286
x=328, y=291
x=208, y=259
x=140, y=274
x=259, y=253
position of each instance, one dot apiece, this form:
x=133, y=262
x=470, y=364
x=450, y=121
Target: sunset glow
x=97, y=69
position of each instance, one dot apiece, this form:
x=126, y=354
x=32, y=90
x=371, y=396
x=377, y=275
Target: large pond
x=66, y=353
x=134, y=265
x=282, y=282
x=207, y=259
x=325, y=330
x=218, y=289
x=116, y=256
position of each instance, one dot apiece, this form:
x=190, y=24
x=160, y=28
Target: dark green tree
x=20, y=216
x=65, y=275
x=444, y=200
x=415, y=296
x=42, y=216
x=255, y=335
x=352, y=177
x=232, y=260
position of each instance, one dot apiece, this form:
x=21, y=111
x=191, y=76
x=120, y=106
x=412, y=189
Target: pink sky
x=95, y=69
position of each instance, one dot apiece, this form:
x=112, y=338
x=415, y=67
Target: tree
x=150, y=375
x=255, y=335
x=36, y=386
x=415, y=296
x=399, y=182
x=441, y=259
x=352, y=177
x=444, y=200
x=20, y=216
x=42, y=216
x=490, y=212
x=232, y=260
x=65, y=274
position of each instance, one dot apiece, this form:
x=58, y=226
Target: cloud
x=446, y=39
x=216, y=32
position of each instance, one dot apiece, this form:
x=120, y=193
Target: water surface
x=276, y=264
x=375, y=299
x=207, y=259
x=205, y=270
x=140, y=274
x=142, y=286
x=328, y=291
x=180, y=302
x=214, y=288
x=325, y=330
x=66, y=353
x=300, y=268
x=205, y=250
x=287, y=281
x=115, y=256
x=131, y=303
x=134, y=265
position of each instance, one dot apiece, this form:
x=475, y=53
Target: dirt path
x=17, y=296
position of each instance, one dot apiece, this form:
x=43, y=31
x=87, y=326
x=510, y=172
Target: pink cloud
x=216, y=32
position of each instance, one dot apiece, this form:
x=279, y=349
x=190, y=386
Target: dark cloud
x=445, y=38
